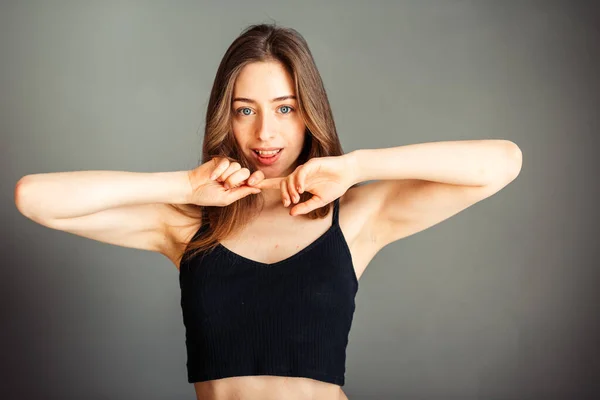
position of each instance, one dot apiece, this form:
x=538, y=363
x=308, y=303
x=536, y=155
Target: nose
x=267, y=127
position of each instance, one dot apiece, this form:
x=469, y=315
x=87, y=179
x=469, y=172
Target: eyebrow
x=281, y=98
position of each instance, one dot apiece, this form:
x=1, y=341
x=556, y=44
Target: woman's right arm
x=130, y=209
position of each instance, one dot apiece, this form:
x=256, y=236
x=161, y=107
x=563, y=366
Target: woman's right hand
x=228, y=183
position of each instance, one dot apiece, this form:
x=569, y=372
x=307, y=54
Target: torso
x=271, y=238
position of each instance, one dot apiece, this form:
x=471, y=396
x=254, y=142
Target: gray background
x=498, y=302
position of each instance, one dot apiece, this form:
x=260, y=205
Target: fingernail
x=226, y=186
x=251, y=181
x=286, y=203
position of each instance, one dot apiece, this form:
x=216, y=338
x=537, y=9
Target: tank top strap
x=336, y=211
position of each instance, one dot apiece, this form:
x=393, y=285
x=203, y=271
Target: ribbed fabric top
x=289, y=318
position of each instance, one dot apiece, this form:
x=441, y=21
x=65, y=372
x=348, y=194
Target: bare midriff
x=267, y=387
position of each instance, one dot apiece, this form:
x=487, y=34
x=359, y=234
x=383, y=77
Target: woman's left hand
x=326, y=178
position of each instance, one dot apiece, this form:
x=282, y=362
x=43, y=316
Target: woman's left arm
x=420, y=185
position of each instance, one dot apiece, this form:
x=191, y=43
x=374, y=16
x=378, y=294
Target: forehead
x=263, y=81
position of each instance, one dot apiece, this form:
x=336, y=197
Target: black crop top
x=289, y=318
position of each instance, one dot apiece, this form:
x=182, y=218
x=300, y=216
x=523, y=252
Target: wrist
x=353, y=166
x=187, y=188
x=180, y=188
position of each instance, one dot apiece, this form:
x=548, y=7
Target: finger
x=221, y=165
x=233, y=167
x=307, y=206
x=301, y=178
x=256, y=177
x=271, y=183
x=285, y=197
x=291, y=188
x=237, y=178
x=239, y=192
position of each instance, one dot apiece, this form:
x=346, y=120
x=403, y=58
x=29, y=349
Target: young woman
x=273, y=230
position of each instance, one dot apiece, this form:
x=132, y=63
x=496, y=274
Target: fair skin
x=405, y=202
x=415, y=187
x=410, y=195
x=265, y=114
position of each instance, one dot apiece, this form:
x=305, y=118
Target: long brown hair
x=259, y=43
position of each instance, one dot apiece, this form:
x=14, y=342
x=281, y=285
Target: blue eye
x=248, y=111
x=288, y=107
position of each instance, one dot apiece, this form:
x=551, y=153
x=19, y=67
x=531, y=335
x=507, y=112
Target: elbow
x=505, y=166
x=20, y=196
x=514, y=160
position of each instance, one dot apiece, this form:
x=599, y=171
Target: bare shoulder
x=358, y=208
x=365, y=201
x=355, y=209
x=182, y=221
x=356, y=214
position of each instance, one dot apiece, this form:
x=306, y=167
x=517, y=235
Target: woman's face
x=265, y=115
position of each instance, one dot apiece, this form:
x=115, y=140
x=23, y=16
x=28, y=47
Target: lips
x=267, y=148
x=268, y=160
x=267, y=155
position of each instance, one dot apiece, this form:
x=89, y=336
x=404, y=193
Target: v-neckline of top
x=285, y=260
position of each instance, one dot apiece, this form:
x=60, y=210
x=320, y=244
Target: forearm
x=76, y=193
x=465, y=162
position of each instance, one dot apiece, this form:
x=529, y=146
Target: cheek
x=300, y=139
x=301, y=134
x=299, y=130
x=240, y=131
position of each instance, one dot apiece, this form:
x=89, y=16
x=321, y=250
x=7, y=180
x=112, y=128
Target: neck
x=272, y=201
x=272, y=197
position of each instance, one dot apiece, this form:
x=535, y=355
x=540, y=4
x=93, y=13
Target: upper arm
x=400, y=208
x=141, y=226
